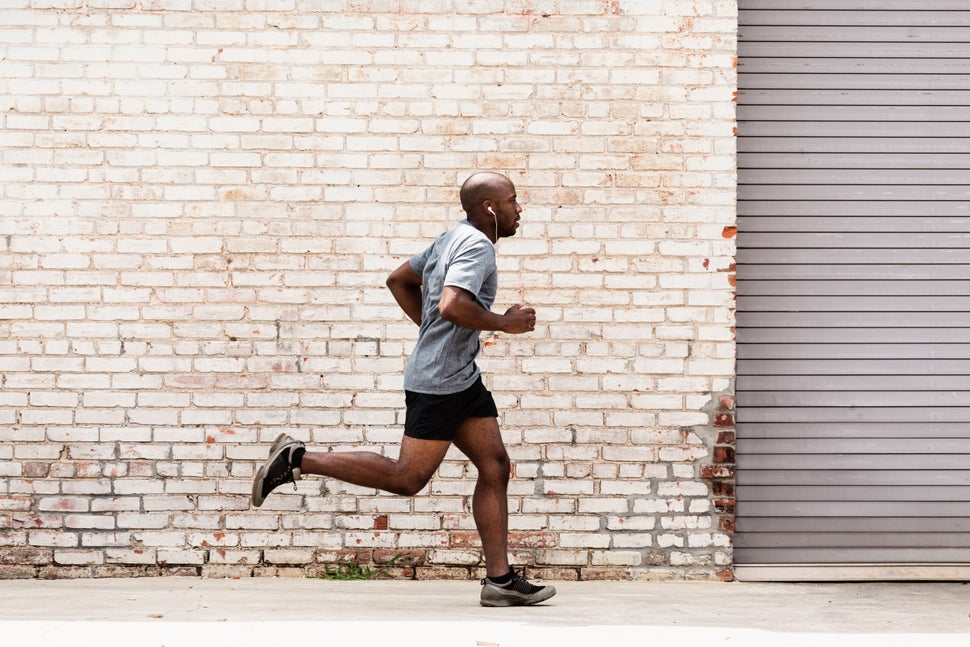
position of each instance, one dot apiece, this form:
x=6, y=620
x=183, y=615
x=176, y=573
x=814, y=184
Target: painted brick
x=208, y=272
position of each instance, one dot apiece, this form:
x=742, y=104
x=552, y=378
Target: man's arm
x=460, y=308
x=405, y=284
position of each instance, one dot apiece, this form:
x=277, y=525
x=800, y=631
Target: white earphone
x=492, y=211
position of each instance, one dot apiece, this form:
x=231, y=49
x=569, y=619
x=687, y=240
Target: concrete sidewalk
x=172, y=612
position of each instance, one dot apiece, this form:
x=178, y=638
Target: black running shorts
x=438, y=417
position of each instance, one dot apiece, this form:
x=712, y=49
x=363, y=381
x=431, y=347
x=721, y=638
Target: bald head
x=491, y=205
x=481, y=187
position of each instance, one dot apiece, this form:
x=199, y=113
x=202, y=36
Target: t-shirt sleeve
x=471, y=265
x=418, y=261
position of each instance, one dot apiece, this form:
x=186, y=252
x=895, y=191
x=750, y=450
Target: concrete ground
x=172, y=612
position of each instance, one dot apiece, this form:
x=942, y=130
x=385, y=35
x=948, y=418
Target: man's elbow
x=403, y=276
x=447, y=311
x=397, y=283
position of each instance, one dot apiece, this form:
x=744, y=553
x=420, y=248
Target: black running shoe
x=519, y=592
x=277, y=470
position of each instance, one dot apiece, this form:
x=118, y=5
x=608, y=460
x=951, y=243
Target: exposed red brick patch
x=723, y=454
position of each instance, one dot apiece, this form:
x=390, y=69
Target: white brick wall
x=199, y=203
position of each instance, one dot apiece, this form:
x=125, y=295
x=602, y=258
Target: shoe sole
x=503, y=600
x=278, y=445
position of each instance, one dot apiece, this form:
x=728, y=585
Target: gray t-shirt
x=443, y=360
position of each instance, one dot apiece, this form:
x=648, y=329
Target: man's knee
x=497, y=468
x=410, y=484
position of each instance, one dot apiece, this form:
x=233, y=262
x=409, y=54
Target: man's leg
x=412, y=470
x=480, y=440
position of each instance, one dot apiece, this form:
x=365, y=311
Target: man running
x=447, y=290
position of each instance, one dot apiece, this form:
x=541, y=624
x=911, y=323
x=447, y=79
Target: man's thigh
x=481, y=441
x=422, y=457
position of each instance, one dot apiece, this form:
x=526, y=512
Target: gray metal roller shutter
x=853, y=376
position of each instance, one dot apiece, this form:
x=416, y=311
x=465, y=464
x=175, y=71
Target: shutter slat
x=889, y=525
x=870, y=555
x=857, y=5
x=861, y=161
x=853, y=145
x=854, y=81
x=855, y=209
x=854, y=304
x=857, y=240
x=890, y=271
x=838, y=128
x=855, y=540
x=814, y=192
x=823, y=415
x=822, y=97
x=863, y=446
x=891, y=478
x=884, y=286
x=835, y=493
x=860, y=34
x=825, y=367
x=854, y=336
x=873, y=65
x=751, y=51
x=874, y=177
x=890, y=319
x=856, y=398
x=849, y=256
x=812, y=19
